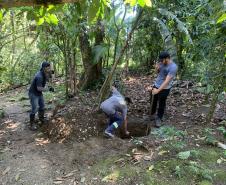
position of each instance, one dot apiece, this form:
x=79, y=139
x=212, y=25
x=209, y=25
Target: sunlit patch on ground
x=42, y=141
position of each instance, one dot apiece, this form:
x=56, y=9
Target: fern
x=180, y=25
x=166, y=36
x=99, y=51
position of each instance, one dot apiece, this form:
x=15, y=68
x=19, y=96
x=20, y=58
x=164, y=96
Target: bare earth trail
x=29, y=158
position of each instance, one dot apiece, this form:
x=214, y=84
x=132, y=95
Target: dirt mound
x=78, y=120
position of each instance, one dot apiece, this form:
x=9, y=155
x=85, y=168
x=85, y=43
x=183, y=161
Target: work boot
x=41, y=117
x=158, y=122
x=110, y=129
x=108, y=134
x=33, y=126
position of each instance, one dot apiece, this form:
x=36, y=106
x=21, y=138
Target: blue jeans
x=115, y=121
x=36, y=101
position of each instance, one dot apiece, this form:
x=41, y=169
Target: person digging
x=38, y=86
x=115, y=108
x=166, y=70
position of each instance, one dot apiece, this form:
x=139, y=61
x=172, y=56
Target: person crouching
x=116, y=109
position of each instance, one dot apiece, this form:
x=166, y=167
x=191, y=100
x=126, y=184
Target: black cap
x=164, y=55
x=45, y=64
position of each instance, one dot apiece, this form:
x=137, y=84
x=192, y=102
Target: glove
x=51, y=89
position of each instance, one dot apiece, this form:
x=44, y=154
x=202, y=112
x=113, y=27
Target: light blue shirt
x=164, y=70
x=115, y=103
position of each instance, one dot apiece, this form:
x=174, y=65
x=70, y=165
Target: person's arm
x=39, y=85
x=164, y=85
x=169, y=77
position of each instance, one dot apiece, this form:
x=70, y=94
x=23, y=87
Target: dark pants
x=160, y=99
x=37, y=103
x=114, y=122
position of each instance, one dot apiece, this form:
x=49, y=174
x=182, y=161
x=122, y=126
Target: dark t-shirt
x=38, y=81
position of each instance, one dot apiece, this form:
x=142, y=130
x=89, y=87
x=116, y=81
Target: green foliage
x=180, y=25
x=1, y=15
x=142, y=3
x=96, y=10
x=43, y=14
x=169, y=132
x=222, y=130
x=209, y=138
x=221, y=18
x=184, y=155
x=99, y=51
x=178, y=171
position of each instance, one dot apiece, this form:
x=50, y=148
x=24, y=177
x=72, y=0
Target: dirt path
x=29, y=158
x=24, y=157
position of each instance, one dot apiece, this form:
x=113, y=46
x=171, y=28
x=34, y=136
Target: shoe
x=41, y=117
x=32, y=126
x=158, y=122
x=108, y=134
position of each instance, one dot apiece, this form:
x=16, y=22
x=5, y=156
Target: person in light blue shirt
x=166, y=70
x=116, y=109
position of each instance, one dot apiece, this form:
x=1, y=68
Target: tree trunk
x=92, y=72
x=108, y=81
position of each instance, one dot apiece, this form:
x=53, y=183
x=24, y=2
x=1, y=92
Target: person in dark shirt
x=38, y=86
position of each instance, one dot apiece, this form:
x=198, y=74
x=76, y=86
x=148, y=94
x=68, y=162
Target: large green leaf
x=40, y=21
x=184, y=155
x=94, y=10
x=148, y=3
x=167, y=38
x=99, y=51
x=53, y=19
x=142, y=3
x=1, y=16
x=221, y=18
x=180, y=25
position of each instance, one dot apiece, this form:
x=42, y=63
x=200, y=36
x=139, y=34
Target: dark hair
x=45, y=64
x=116, y=84
x=128, y=100
x=164, y=55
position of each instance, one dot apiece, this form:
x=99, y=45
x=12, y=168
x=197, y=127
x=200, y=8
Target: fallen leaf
x=6, y=170
x=68, y=175
x=57, y=182
x=17, y=177
x=22, y=170
x=82, y=179
x=119, y=160
x=151, y=167
x=162, y=152
x=111, y=177
x=219, y=161
x=184, y=155
x=58, y=179
x=221, y=145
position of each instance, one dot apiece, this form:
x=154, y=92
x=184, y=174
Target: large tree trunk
x=108, y=81
x=92, y=72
